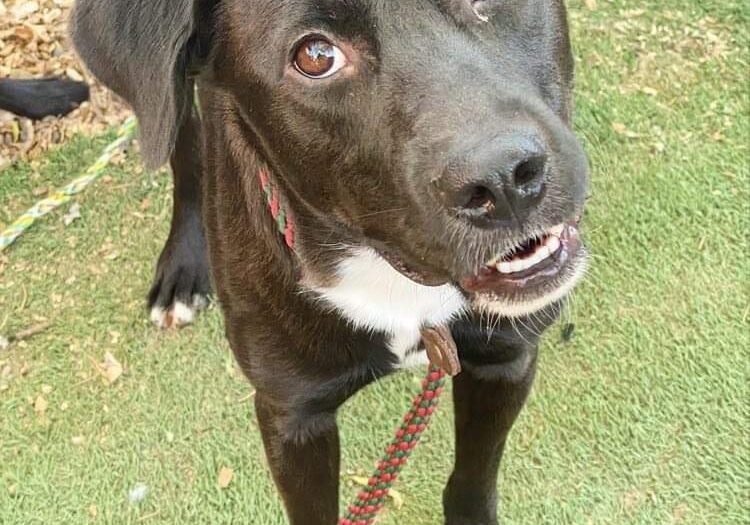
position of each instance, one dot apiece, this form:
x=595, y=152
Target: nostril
x=529, y=171
x=481, y=198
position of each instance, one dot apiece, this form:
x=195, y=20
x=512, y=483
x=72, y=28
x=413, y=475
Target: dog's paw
x=179, y=314
x=181, y=286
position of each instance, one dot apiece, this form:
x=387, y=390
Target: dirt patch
x=34, y=43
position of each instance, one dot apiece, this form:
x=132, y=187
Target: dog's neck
x=359, y=284
x=313, y=243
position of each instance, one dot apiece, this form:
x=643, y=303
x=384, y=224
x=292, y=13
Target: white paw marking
x=179, y=315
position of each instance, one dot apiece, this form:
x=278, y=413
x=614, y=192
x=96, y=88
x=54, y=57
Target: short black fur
x=436, y=99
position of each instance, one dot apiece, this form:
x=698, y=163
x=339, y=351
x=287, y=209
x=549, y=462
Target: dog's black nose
x=507, y=182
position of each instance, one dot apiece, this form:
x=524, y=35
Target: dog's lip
x=500, y=278
x=489, y=278
x=419, y=277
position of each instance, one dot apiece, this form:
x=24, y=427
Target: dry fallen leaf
x=359, y=480
x=622, y=129
x=226, y=475
x=72, y=74
x=619, y=128
x=24, y=32
x=393, y=494
x=23, y=10
x=398, y=499
x=40, y=191
x=40, y=405
x=111, y=368
x=74, y=213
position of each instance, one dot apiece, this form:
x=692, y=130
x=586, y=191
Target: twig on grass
x=28, y=333
x=148, y=516
x=246, y=398
x=25, y=299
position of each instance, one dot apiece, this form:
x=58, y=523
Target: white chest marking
x=373, y=296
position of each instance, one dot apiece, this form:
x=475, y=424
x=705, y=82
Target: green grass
x=642, y=418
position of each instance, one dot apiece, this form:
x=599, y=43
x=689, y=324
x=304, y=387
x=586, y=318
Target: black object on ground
x=38, y=98
x=568, y=332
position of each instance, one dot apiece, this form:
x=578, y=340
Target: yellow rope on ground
x=124, y=136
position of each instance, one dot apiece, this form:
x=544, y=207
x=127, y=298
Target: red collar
x=282, y=215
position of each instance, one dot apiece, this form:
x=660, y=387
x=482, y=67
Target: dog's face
x=435, y=131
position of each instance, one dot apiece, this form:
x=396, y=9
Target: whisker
x=382, y=212
x=530, y=330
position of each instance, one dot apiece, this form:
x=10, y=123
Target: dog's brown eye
x=317, y=58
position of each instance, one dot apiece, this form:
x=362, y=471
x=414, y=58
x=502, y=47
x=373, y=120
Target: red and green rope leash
x=371, y=500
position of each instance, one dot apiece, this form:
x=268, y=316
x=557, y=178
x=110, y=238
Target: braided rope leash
x=372, y=499
x=125, y=135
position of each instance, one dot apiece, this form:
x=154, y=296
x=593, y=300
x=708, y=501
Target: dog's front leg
x=181, y=283
x=303, y=453
x=488, y=396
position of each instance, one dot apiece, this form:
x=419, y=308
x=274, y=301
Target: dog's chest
x=373, y=296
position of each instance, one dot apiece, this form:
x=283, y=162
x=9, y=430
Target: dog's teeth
x=545, y=249
x=518, y=265
x=552, y=244
x=541, y=254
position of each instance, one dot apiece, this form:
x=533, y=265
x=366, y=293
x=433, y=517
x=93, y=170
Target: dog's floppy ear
x=146, y=51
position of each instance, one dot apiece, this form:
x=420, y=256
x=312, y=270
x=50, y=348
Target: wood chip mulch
x=34, y=43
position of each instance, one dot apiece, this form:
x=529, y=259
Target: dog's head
x=436, y=132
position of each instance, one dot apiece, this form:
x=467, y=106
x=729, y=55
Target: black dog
x=421, y=170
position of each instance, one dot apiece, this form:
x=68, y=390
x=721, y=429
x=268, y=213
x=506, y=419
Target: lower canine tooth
x=504, y=267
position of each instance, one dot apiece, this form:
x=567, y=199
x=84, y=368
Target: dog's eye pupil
x=315, y=57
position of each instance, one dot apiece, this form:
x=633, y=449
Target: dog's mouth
x=540, y=256
x=532, y=274
x=535, y=272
